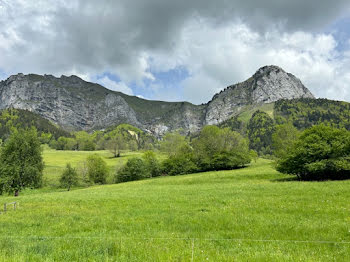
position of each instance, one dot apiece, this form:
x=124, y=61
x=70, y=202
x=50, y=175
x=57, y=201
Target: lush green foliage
x=134, y=169
x=152, y=164
x=260, y=129
x=84, y=141
x=219, y=149
x=250, y=214
x=69, y=177
x=97, y=169
x=283, y=139
x=213, y=149
x=21, y=163
x=115, y=143
x=130, y=137
x=304, y=113
x=22, y=119
x=172, y=142
x=235, y=124
x=179, y=164
x=115, y=139
x=320, y=153
x=64, y=143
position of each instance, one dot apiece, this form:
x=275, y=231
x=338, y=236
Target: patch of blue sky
x=111, y=76
x=3, y=75
x=166, y=85
x=340, y=30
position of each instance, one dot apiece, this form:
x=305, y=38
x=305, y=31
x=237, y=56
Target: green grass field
x=250, y=214
x=56, y=160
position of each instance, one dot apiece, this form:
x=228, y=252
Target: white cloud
x=220, y=56
x=133, y=38
x=115, y=86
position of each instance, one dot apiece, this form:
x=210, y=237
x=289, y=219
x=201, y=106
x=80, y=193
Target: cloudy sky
x=178, y=50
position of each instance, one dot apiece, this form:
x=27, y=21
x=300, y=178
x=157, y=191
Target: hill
x=251, y=214
x=75, y=104
x=24, y=119
x=304, y=113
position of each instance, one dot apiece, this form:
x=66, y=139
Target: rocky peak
x=272, y=83
x=265, y=70
x=269, y=84
x=17, y=77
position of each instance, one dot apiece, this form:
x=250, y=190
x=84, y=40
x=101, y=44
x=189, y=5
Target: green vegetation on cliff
x=304, y=113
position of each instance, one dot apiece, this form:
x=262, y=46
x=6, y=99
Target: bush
x=283, y=139
x=96, y=169
x=178, y=165
x=69, y=177
x=134, y=169
x=217, y=149
x=320, y=153
x=230, y=160
x=152, y=164
x=180, y=162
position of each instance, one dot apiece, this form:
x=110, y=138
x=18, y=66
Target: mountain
x=75, y=104
x=269, y=84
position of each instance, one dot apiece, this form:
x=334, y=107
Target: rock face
x=269, y=84
x=78, y=105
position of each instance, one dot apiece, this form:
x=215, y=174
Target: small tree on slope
x=21, y=163
x=69, y=177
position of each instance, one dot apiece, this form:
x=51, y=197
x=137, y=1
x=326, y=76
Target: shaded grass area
x=240, y=215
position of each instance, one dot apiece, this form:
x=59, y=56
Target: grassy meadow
x=250, y=214
x=56, y=160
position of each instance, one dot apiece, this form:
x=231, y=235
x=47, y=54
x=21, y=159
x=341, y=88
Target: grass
x=250, y=214
x=248, y=111
x=56, y=160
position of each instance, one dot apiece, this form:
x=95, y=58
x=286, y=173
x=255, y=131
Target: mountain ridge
x=75, y=104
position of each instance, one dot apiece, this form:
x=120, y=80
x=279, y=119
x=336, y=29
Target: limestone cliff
x=269, y=84
x=75, y=104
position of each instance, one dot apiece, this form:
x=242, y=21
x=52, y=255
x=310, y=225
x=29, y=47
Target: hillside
x=75, y=104
x=251, y=214
x=24, y=119
x=304, y=113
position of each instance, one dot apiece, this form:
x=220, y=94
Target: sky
x=183, y=50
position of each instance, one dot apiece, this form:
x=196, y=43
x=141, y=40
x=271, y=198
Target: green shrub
x=218, y=149
x=152, y=164
x=88, y=146
x=178, y=165
x=96, y=169
x=283, y=139
x=230, y=160
x=69, y=177
x=134, y=169
x=320, y=153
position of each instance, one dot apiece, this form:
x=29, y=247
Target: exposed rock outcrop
x=269, y=84
x=76, y=104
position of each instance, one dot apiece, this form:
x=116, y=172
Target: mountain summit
x=75, y=104
x=269, y=84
